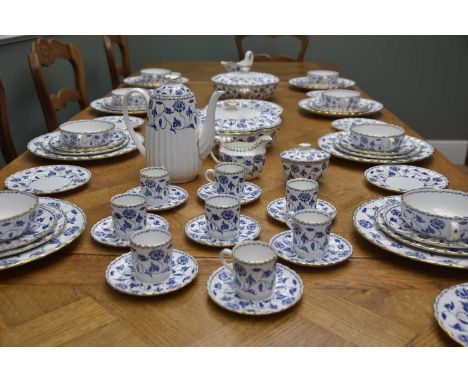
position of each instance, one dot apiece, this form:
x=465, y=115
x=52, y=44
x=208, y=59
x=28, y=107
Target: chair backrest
x=117, y=71
x=45, y=53
x=266, y=57
x=6, y=142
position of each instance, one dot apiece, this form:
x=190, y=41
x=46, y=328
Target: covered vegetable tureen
x=253, y=85
x=305, y=162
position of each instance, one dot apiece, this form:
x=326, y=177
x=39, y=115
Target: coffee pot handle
x=130, y=129
x=223, y=253
x=209, y=172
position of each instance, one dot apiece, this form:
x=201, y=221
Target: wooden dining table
x=374, y=299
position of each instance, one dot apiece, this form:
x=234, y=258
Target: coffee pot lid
x=172, y=88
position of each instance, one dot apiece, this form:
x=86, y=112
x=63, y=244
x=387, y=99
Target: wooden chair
x=7, y=145
x=266, y=57
x=117, y=71
x=45, y=53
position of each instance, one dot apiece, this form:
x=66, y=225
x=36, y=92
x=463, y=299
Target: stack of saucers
x=150, y=78
x=83, y=140
x=376, y=143
x=33, y=227
x=321, y=80
x=428, y=225
x=114, y=103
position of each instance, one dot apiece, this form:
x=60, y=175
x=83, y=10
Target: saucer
x=251, y=192
x=344, y=142
x=402, y=178
x=138, y=82
x=119, y=139
x=118, y=121
x=101, y=105
x=287, y=293
x=110, y=105
x=451, y=312
x=304, y=83
x=177, y=196
x=44, y=223
x=103, y=231
x=195, y=229
x=277, y=208
x=366, y=107
x=344, y=124
x=338, y=250
x=48, y=179
x=120, y=275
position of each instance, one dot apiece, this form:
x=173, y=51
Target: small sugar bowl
x=305, y=162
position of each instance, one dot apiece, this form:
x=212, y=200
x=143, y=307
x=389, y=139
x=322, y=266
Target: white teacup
x=153, y=74
x=377, y=137
x=322, y=77
x=301, y=194
x=17, y=212
x=155, y=185
x=152, y=255
x=135, y=100
x=128, y=214
x=229, y=178
x=86, y=133
x=253, y=269
x=222, y=213
x=340, y=98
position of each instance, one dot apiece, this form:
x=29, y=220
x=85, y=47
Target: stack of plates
x=50, y=146
x=305, y=83
x=140, y=82
x=57, y=224
x=380, y=222
x=105, y=105
x=412, y=150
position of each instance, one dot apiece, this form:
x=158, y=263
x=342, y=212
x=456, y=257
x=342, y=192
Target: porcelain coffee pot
x=175, y=138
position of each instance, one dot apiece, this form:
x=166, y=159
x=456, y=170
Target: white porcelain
x=222, y=213
x=323, y=76
x=251, y=192
x=251, y=155
x=437, y=213
x=154, y=74
x=86, y=133
x=315, y=105
x=174, y=137
x=176, y=196
x=301, y=194
x=118, y=140
x=134, y=100
x=253, y=85
x=277, y=209
x=405, y=148
x=119, y=122
x=377, y=137
x=244, y=65
x=344, y=124
x=305, y=162
x=128, y=214
x=104, y=105
x=139, y=82
x=17, y=212
x=304, y=83
x=155, y=185
x=227, y=178
x=252, y=268
x=340, y=98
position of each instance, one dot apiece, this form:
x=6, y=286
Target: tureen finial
x=305, y=146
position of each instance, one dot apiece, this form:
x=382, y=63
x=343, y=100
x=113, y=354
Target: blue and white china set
x=427, y=223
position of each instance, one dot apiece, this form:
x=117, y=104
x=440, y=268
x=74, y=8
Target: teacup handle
x=287, y=218
x=223, y=253
x=209, y=172
x=454, y=231
x=78, y=139
x=389, y=144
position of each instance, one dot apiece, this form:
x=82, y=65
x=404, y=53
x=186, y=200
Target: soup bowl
x=377, y=137
x=17, y=212
x=340, y=98
x=86, y=133
x=322, y=77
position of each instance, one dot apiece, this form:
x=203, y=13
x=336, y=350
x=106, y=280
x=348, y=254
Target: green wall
x=419, y=78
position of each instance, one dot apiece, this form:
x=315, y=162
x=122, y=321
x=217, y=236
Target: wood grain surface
x=374, y=299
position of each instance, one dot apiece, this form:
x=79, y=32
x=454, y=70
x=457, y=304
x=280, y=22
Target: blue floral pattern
x=305, y=83
x=118, y=140
x=314, y=104
x=344, y=124
x=287, y=292
x=127, y=220
x=152, y=265
x=305, y=162
x=120, y=275
x=277, y=208
x=310, y=240
x=222, y=221
x=379, y=144
x=119, y=121
x=251, y=192
x=297, y=200
x=176, y=197
x=156, y=189
x=253, y=164
x=406, y=148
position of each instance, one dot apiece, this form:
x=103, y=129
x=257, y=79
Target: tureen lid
x=245, y=79
x=172, y=88
x=244, y=115
x=304, y=153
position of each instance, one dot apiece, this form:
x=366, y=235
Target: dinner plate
x=118, y=139
x=344, y=124
x=344, y=150
x=74, y=226
x=101, y=105
x=403, y=178
x=424, y=150
x=304, y=83
x=48, y=179
x=119, y=123
x=364, y=219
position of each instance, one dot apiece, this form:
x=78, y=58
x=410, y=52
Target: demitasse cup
x=222, y=213
x=128, y=214
x=152, y=255
x=17, y=213
x=442, y=214
x=153, y=74
x=311, y=229
x=229, y=178
x=155, y=185
x=373, y=137
x=86, y=133
x=253, y=269
x=322, y=77
x=340, y=98
x=135, y=100
x=301, y=194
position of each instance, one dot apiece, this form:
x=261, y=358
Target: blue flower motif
x=462, y=293
x=227, y=214
x=129, y=213
x=157, y=254
x=239, y=269
x=304, y=197
x=179, y=105
x=437, y=223
x=223, y=179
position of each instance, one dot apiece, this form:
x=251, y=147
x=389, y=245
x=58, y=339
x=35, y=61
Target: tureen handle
x=130, y=129
x=305, y=146
x=244, y=92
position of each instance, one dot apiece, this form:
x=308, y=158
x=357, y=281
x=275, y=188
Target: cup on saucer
x=377, y=137
x=86, y=133
x=155, y=185
x=301, y=194
x=253, y=269
x=311, y=229
x=153, y=74
x=135, y=100
x=322, y=77
x=128, y=214
x=222, y=214
x=229, y=178
x=340, y=98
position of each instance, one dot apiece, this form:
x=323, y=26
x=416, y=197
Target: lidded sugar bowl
x=305, y=162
